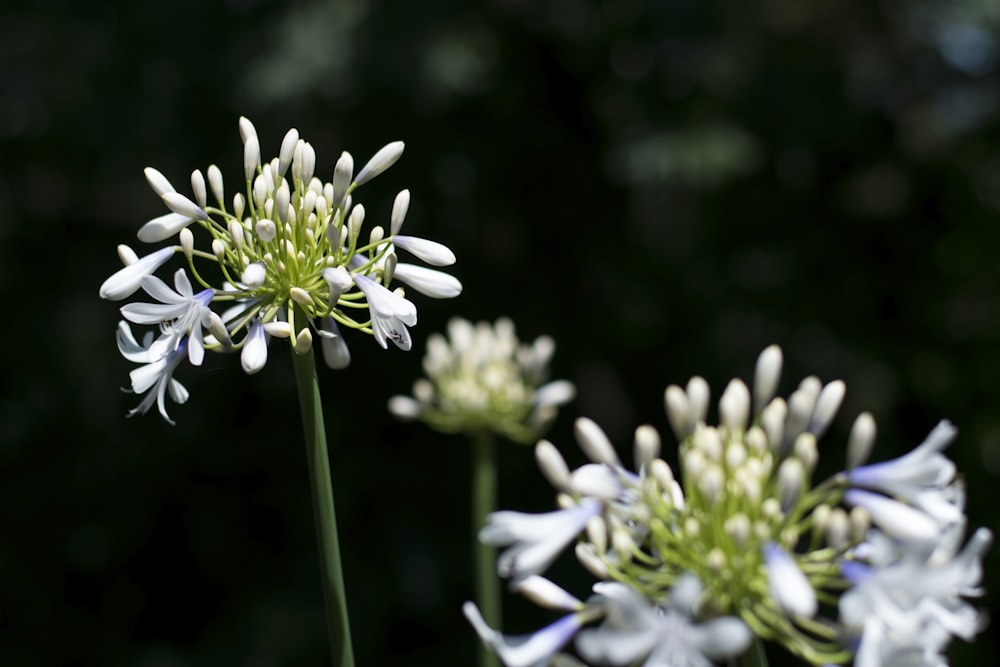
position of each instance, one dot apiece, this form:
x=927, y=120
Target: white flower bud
x=219, y=248
x=738, y=528
x=645, y=446
x=343, y=173
x=181, y=205
x=552, y=465
x=251, y=157
x=198, y=188
x=239, y=204
x=303, y=341
x=772, y=420
x=187, y=242
x=791, y=480
x=127, y=255
x=699, y=394
x=594, y=442
x=254, y=275
x=597, y=533
x=281, y=201
x=399, y=208
x=301, y=296
x=678, y=410
x=247, y=129
x=266, y=230
x=287, y=150
x=157, y=181
x=590, y=560
x=838, y=529
x=766, y=376
x=215, y=183
x=861, y=440
x=734, y=406
x=376, y=235
x=278, y=329
x=827, y=404
x=382, y=160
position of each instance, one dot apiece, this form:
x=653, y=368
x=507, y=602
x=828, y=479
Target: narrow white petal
x=895, y=518
x=126, y=281
x=404, y=407
x=432, y=252
x=336, y=354
x=429, y=282
x=544, y=593
x=399, y=208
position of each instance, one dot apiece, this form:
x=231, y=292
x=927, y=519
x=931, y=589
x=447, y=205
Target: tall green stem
x=484, y=493
x=338, y=627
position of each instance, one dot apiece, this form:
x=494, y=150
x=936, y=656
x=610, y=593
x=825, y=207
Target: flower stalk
x=484, y=492
x=331, y=568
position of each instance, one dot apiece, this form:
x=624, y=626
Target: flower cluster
x=288, y=260
x=868, y=566
x=483, y=379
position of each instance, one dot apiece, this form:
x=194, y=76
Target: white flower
x=391, y=313
x=382, y=160
x=181, y=313
x=156, y=373
x=526, y=650
x=911, y=607
x=635, y=630
x=336, y=354
x=895, y=518
x=923, y=478
x=126, y=281
x=534, y=540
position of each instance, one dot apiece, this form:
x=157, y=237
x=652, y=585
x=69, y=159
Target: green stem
x=338, y=627
x=484, y=492
x=754, y=656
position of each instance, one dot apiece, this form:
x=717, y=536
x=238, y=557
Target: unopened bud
x=552, y=464
x=303, y=341
x=766, y=376
x=187, y=242
x=646, y=446
x=861, y=440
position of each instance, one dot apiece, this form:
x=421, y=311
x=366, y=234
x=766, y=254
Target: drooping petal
x=254, y=355
x=524, y=650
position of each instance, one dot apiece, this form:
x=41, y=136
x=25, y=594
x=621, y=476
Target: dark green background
x=665, y=187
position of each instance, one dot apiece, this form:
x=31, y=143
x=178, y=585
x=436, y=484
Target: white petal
x=524, y=650
x=399, y=207
x=336, y=354
x=895, y=518
x=126, y=281
x=163, y=227
x=254, y=355
x=432, y=252
x=435, y=284
x=597, y=481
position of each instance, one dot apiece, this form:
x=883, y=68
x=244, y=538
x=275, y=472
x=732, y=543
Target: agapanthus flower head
x=292, y=256
x=482, y=378
x=741, y=522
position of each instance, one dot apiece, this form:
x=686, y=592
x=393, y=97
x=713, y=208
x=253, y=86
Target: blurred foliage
x=663, y=187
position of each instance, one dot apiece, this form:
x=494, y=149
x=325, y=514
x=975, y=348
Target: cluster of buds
x=288, y=260
x=481, y=378
x=867, y=566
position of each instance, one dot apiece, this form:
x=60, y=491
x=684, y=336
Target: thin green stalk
x=338, y=627
x=484, y=494
x=754, y=656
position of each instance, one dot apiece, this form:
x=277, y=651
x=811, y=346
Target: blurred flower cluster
x=287, y=260
x=870, y=565
x=481, y=378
